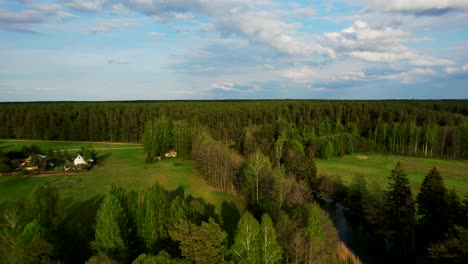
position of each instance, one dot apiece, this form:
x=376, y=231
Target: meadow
x=124, y=165
x=120, y=164
x=376, y=168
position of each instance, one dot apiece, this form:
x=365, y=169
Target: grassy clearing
x=376, y=168
x=118, y=165
x=9, y=145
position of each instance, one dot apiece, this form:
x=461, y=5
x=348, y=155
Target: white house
x=79, y=160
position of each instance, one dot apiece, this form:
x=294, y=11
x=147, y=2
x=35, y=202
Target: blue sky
x=232, y=49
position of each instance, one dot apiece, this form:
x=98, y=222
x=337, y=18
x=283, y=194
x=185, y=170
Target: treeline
x=421, y=128
x=431, y=223
x=159, y=226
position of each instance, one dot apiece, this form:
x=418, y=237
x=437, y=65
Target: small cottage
x=34, y=162
x=79, y=160
x=171, y=154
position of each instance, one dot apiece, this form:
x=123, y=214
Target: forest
x=263, y=151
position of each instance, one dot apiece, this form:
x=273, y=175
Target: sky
x=95, y=50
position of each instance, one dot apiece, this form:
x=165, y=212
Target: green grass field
x=120, y=164
x=376, y=168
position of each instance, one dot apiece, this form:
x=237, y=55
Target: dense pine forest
x=330, y=128
x=262, y=151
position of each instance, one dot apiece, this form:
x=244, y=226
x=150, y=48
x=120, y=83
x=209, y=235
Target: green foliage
x=47, y=207
x=34, y=245
x=200, y=244
x=158, y=138
x=182, y=139
x=433, y=206
x=355, y=199
x=400, y=205
x=270, y=250
x=246, y=247
x=152, y=213
x=162, y=258
x=256, y=167
x=109, y=229
x=454, y=249
x=32, y=230
x=101, y=259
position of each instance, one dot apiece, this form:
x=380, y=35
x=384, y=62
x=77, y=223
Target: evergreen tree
x=200, y=244
x=109, y=235
x=400, y=206
x=157, y=138
x=433, y=206
x=152, y=217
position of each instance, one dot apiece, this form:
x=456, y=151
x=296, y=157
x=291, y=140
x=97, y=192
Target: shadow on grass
x=77, y=230
x=102, y=158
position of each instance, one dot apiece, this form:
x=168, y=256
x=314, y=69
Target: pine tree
x=433, y=206
x=400, y=206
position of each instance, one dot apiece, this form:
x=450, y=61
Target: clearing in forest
x=120, y=164
x=376, y=168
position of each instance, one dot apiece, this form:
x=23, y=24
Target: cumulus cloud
x=23, y=17
x=420, y=7
x=383, y=45
x=109, y=26
x=457, y=70
x=408, y=76
x=86, y=5
x=51, y=10
x=239, y=18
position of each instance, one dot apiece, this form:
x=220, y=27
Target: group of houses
x=39, y=162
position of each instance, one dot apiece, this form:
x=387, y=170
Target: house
x=79, y=160
x=171, y=154
x=34, y=162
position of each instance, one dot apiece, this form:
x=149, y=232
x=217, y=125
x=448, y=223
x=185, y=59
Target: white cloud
x=118, y=61
x=86, y=5
x=109, y=26
x=456, y=70
x=224, y=86
x=241, y=18
x=383, y=45
x=52, y=10
x=408, y=76
x=420, y=6
x=234, y=87
x=155, y=35
x=23, y=17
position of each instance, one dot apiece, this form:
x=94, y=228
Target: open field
x=376, y=168
x=117, y=165
x=44, y=145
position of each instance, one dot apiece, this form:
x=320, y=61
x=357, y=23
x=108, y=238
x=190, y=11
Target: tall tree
x=400, y=206
x=257, y=166
x=270, y=250
x=246, y=247
x=47, y=206
x=109, y=234
x=157, y=138
x=152, y=216
x=433, y=206
x=200, y=244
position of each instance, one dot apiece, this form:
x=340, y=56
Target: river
x=369, y=247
